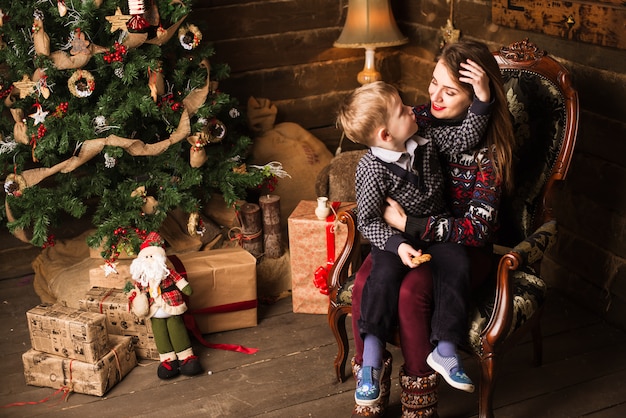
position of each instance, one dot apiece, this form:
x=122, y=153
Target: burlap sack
x=62, y=271
x=301, y=154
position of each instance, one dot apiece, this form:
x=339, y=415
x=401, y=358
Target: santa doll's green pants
x=170, y=334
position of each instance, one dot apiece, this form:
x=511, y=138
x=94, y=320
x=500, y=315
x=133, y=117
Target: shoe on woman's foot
x=368, y=384
x=445, y=366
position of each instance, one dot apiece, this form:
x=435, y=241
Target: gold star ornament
x=118, y=21
x=25, y=87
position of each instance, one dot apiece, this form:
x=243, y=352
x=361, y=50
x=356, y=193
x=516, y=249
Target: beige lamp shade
x=370, y=23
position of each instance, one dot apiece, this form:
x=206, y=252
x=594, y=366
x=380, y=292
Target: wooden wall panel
x=594, y=21
x=293, y=82
x=246, y=19
x=280, y=50
x=283, y=50
x=607, y=226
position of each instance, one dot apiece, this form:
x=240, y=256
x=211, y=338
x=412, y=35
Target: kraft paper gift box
x=68, y=332
x=49, y=370
x=308, y=246
x=224, y=288
x=113, y=304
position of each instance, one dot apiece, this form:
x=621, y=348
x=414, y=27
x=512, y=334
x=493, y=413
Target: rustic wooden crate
x=599, y=22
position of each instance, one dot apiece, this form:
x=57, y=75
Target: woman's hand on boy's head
x=472, y=73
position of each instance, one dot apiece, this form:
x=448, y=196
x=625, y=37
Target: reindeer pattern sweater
x=472, y=194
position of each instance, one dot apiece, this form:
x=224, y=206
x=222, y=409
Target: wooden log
x=270, y=207
x=252, y=229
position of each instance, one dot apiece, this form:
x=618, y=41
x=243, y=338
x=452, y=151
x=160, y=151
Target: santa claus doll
x=158, y=295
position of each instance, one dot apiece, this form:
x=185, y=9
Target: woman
x=474, y=184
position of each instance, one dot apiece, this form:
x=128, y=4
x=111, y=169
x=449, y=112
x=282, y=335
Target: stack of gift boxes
x=72, y=350
x=90, y=348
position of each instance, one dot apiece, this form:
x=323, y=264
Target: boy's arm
x=370, y=197
x=453, y=139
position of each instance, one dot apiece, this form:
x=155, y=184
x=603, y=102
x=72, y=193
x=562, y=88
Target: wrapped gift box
x=113, y=304
x=224, y=288
x=68, y=332
x=49, y=370
x=309, y=250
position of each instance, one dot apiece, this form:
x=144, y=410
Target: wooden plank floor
x=292, y=376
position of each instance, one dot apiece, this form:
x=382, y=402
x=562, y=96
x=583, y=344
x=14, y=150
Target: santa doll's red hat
x=152, y=240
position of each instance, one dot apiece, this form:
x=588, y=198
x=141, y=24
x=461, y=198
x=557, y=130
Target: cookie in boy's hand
x=421, y=259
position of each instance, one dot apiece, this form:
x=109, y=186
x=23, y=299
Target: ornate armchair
x=545, y=109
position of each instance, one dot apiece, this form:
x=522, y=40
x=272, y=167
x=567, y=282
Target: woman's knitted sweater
x=472, y=194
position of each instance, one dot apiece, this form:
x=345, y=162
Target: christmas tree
x=114, y=102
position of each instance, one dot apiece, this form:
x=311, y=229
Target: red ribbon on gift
x=320, y=277
x=190, y=320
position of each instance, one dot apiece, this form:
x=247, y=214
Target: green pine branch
x=120, y=104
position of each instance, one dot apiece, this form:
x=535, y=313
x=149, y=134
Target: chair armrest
x=531, y=250
x=526, y=254
x=348, y=257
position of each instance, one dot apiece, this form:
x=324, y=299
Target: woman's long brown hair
x=500, y=139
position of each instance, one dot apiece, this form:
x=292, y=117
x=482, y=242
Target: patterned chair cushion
x=539, y=130
x=344, y=294
x=530, y=293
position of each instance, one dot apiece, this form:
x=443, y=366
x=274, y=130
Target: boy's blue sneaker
x=368, y=381
x=445, y=365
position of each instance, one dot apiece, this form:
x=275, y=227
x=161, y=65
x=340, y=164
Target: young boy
x=406, y=168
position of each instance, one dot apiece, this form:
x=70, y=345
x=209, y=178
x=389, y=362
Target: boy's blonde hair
x=364, y=110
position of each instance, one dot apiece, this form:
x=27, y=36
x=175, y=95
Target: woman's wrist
x=479, y=107
x=415, y=227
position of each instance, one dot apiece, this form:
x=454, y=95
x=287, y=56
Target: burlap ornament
x=64, y=61
x=156, y=83
x=39, y=77
x=41, y=40
x=150, y=204
x=19, y=129
x=134, y=40
x=10, y=100
x=163, y=36
x=197, y=155
x=18, y=184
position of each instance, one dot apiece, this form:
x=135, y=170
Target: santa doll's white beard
x=150, y=271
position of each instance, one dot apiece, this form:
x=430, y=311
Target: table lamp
x=370, y=24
